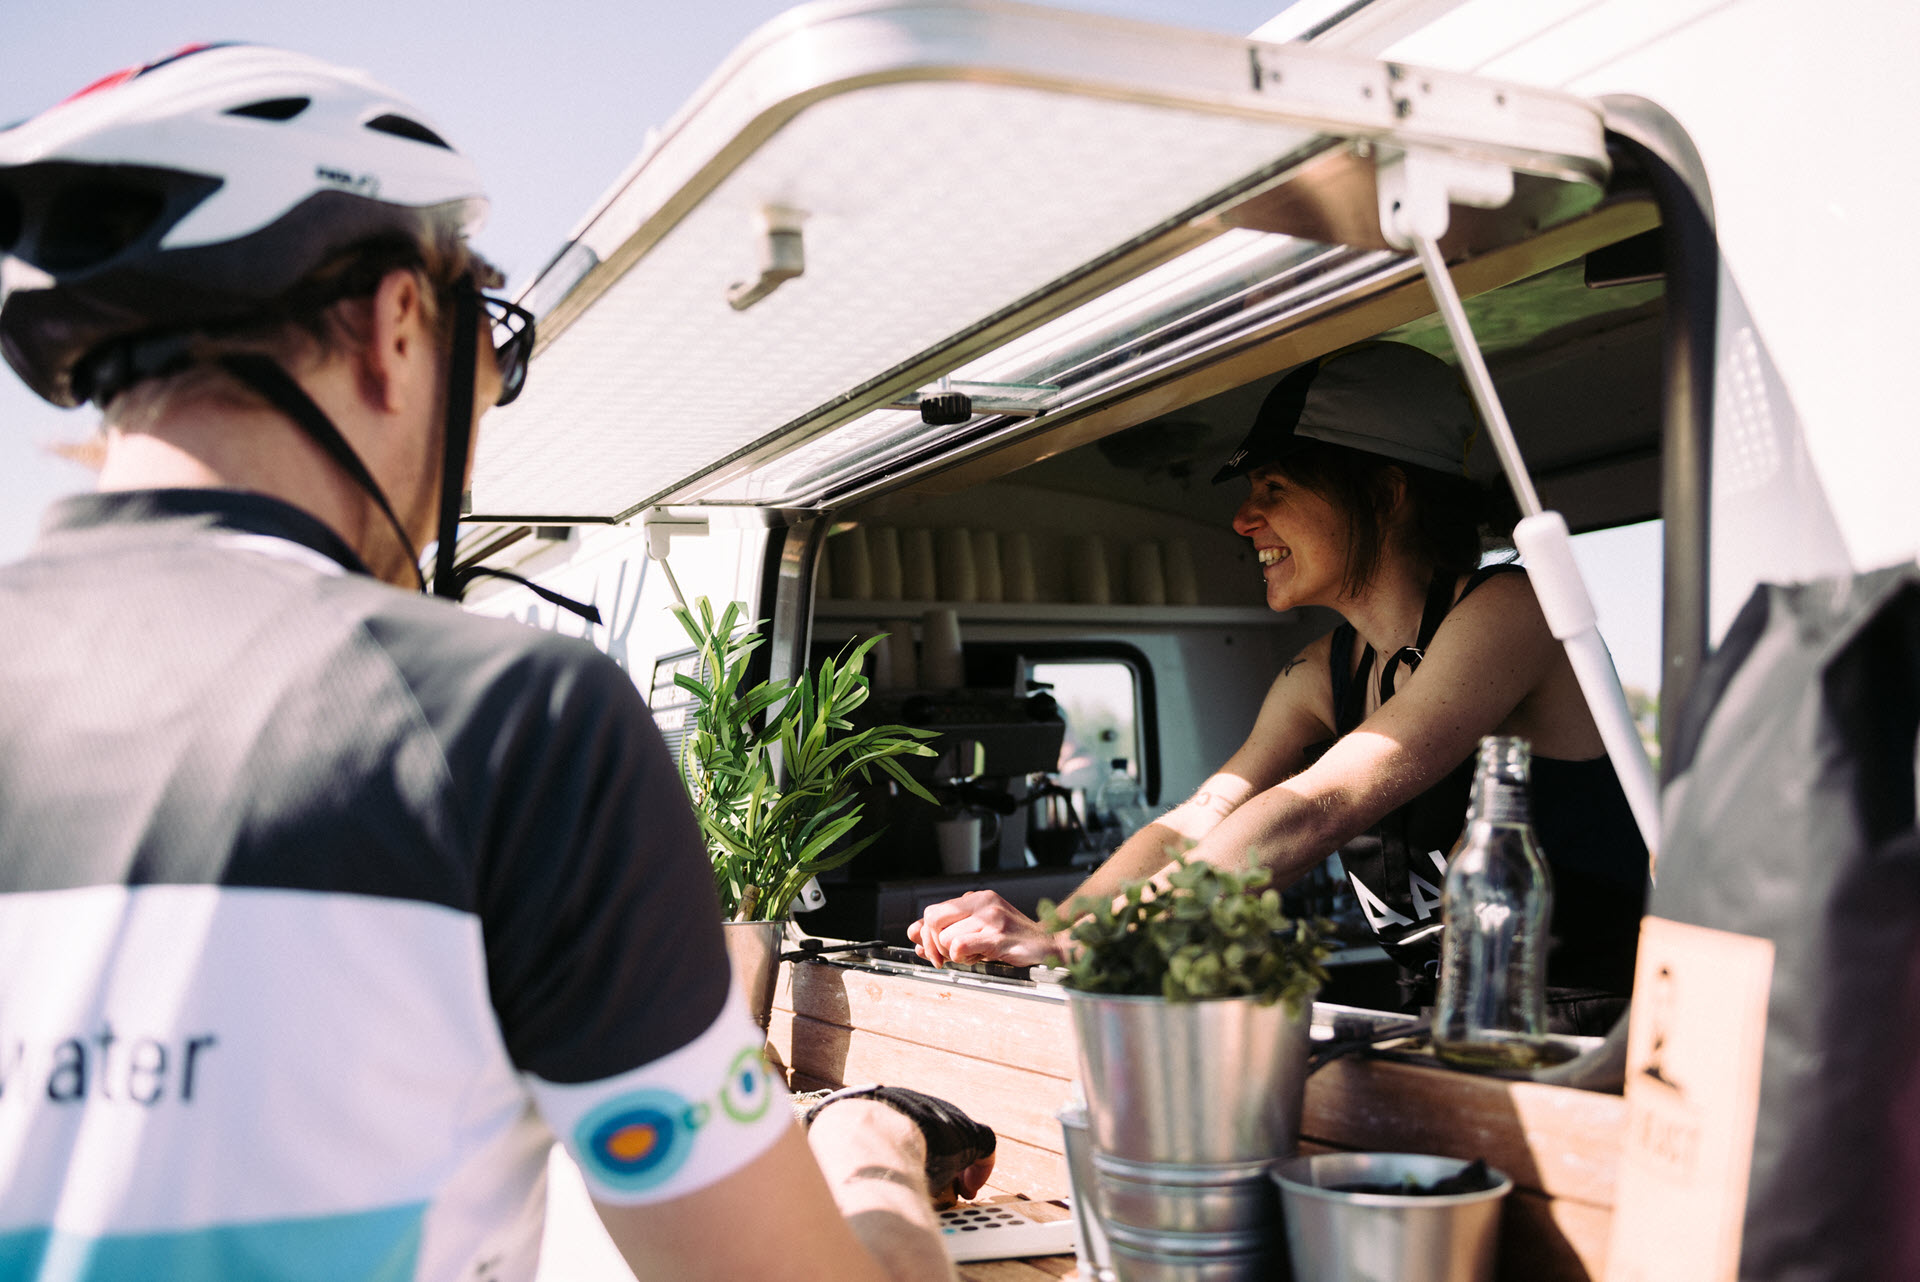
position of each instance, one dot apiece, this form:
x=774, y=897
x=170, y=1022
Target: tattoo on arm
x=1211, y=801
x=1287, y=667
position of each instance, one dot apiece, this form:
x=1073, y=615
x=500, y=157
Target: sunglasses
x=512, y=344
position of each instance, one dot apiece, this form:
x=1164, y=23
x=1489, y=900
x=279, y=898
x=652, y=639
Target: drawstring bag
x=1790, y=817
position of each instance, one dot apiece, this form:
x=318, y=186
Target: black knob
x=944, y=409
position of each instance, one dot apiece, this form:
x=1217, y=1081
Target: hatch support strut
x=1416, y=187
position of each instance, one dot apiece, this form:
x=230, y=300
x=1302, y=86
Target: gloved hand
x=959, y=1149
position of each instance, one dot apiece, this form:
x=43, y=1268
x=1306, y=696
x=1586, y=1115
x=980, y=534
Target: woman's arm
x=1296, y=713
x=1493, y=667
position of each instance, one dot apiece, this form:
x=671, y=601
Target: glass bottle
x=1122, y=805
x=1497, y=904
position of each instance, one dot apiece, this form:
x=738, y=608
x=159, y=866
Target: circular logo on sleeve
x=746, y=1092
x=637, y=1141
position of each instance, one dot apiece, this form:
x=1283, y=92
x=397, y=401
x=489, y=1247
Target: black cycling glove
x=954, y=1140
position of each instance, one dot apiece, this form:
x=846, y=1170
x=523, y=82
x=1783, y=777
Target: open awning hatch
x=868, y=198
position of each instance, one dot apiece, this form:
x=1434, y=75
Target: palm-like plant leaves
x=767, y=835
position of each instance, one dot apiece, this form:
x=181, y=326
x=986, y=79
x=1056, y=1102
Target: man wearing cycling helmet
x=326, y=907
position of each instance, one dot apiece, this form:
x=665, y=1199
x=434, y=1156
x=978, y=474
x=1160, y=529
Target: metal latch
x=783, y=255
x=662, y=527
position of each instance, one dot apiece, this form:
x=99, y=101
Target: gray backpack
x=1790, y=816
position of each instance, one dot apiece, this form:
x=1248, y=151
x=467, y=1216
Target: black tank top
x=1580, y=815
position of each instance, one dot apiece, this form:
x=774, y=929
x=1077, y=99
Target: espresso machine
x=989, y=744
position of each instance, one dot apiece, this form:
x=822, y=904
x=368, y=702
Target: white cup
x=959, y=844
x=918, y=582
x=883, y=549
x=1091, y=586
x=879, y=662
x=852, y=565
x=941, y=665
x=1146, y=581
x=959, y=580
x=1017, y=568
x=899, y=646
x=986, y=565
x=1183, y=588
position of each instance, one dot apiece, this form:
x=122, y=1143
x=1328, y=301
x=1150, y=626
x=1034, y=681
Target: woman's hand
x=981, y=926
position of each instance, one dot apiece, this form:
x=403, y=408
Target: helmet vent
x=401, y=127
x=10, y=220
x=88, y=223
x=272, y=109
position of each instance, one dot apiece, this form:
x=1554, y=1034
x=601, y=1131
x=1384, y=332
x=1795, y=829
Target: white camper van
x=966, y=302
x=935, y=318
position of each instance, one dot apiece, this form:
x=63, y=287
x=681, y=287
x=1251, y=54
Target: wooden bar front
x=1008, y=1059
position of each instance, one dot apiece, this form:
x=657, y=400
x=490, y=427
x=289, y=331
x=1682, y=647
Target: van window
x=673, y=708
x=1100, y=700
x=1622, y=569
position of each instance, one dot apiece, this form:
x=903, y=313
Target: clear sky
x=552, y=100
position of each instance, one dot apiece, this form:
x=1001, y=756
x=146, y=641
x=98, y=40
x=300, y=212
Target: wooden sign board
x=1694, y=1046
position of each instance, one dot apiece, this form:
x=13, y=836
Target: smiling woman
x=1358, y=502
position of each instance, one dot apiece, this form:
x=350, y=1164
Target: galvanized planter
x=1213, y=1081
x=1345, y=1236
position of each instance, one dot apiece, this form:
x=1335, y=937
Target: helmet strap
x=461, y=370
x=462, y=365
x=280, y=390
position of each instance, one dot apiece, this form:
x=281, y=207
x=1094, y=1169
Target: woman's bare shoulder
x=1542, y=697
x=1506, y=599
x=1313, y=656
x=1295, y=717
x=1301, y=696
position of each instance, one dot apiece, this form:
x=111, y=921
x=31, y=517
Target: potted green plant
x=772, y=771
x=1191, y=995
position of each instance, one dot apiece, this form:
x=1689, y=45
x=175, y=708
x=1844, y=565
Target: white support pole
x=661, y=527
x=1415, y=191
x=1544, y=542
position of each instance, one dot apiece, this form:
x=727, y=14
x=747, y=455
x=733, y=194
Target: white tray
x=991, y=1231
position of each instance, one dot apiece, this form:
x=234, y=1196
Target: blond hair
x=308, y=324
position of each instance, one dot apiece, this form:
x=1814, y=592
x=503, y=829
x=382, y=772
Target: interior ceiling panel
x=1579, y=375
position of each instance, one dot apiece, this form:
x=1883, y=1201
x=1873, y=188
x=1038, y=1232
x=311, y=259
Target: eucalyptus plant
x=1208, y=932
x=772, y=768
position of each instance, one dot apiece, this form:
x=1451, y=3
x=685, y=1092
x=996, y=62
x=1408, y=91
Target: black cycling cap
x=1384, y=398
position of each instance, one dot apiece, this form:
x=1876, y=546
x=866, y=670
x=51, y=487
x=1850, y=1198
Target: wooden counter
x=1008, y=1059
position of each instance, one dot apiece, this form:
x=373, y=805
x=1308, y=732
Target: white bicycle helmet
x=196, y=190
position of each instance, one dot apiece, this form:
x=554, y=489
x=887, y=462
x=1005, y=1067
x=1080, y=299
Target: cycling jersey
x=324, y=907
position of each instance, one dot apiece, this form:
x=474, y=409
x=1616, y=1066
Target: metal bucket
x=1140, y=1256
x=753, y=949
x=1090, y=1238
x=1335, y=1236
x=1191, y=1197
x=1208, y=1081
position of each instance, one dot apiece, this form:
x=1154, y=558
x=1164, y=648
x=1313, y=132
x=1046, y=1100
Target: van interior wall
x=1057, y=511
x=1211, y=662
